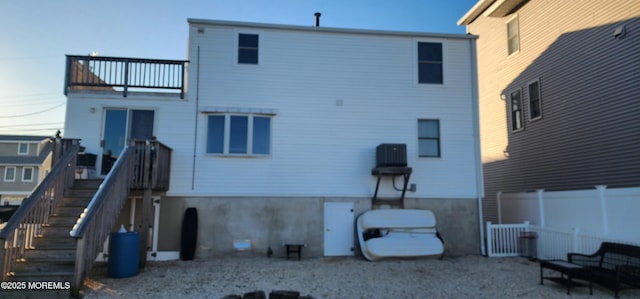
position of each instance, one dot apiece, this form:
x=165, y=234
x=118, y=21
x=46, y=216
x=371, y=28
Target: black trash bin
x=123, y=254
x=528, y=245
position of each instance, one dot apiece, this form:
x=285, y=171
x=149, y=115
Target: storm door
x=119, y=126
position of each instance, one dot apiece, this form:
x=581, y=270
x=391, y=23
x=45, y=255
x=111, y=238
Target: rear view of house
x=274, y=140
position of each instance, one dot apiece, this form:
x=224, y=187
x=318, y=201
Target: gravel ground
x=342, y=277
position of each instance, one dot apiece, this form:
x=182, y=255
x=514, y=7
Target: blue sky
x=35, y=35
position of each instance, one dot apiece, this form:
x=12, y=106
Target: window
x=428, y=138
x=535, y=103
x=238, y=134
x=27, y=174
x=516, y=111
x=23, y=149
x=9, y=174
x=430, y=63
x=513, y=36
x=248, y=48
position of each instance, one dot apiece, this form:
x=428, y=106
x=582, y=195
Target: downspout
x=476, y=136
x=195, y=133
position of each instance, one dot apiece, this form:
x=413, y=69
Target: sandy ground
x=342, y=277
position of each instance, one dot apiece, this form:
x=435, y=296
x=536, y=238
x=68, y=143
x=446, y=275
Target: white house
x=275, y=138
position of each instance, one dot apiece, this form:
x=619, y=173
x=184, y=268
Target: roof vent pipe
x=317, y=14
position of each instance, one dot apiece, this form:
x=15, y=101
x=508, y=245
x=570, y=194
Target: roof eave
x=474, y=12
x=206, y=22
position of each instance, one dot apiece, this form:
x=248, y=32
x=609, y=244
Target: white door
x=338, y=229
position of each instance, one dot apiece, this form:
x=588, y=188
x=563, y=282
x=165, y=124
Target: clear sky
x=35, y=35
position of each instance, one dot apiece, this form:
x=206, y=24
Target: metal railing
x=98, y=219
x=27, y=222
x=107, y=73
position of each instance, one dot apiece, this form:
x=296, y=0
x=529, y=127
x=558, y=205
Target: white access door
x=338, y=229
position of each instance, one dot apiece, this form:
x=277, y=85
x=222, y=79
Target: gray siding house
x=24, y=162
x=559, y=95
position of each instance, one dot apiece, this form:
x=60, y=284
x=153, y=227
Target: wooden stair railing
x=27, y=222
x=96, y=223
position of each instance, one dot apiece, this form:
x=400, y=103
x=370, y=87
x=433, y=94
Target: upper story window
x=27, y=174
x=23, y=149
x=239, y=134
x=430, y=63
x=513, y=36
x=516, y=111
x=248, y=48
x=535, y=101
x=9, y=174
x=428, y=138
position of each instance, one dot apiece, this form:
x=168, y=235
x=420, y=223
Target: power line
x=29, y=102
x=30, y=95
x=34, y=113
x=30, y=125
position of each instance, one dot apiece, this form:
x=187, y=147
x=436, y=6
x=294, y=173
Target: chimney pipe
x=317, y=14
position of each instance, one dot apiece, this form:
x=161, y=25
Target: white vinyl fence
x=548, y=243
x=563, y=221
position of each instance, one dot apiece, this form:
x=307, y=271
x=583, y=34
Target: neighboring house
x=558, y=91
x=24, y=162
x=275, y=139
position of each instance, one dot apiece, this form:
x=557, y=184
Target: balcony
x=124, y=75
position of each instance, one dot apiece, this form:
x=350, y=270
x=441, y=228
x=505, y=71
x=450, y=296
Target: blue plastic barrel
x=123, y=254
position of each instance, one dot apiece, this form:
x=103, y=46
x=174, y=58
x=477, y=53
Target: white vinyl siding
x=334, y=106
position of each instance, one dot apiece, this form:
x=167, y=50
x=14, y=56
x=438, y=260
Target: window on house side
x=239, y=134
x=23, y=149
x=430, y=63
x=513, y=36
x=215, y=134
x=535, y=102
x=516, y=111
x=9, y=174
x=239, y=131
x=261, y=135
x=248, y=48
x=27, y=174
x=428, y=138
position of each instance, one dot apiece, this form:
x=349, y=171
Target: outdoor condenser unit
x=391, y=155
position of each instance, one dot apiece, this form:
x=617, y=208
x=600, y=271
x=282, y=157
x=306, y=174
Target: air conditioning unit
x=391, y=155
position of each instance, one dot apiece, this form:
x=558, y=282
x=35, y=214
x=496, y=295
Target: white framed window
x=429, y=138
x=535, y=100
x=430, y=62
x=239, y=134
x=10, y=174
x=27, y=174
x=517, y=120
x=248, y=48
x=513, y=35
x=23, y=148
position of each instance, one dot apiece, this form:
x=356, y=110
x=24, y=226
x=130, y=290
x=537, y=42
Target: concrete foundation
x=270, y=222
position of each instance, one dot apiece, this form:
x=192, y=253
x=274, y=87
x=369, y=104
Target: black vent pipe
x=317, y=14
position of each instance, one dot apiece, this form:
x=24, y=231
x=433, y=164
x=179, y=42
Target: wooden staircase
x=53, y=252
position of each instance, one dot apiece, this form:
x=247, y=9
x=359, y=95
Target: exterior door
x=119, y=126
x=338, y=229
